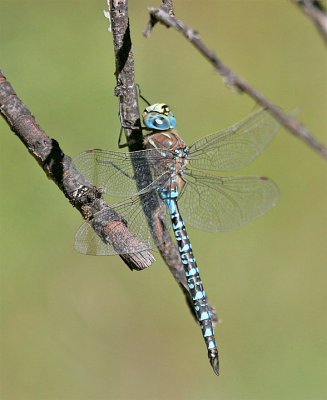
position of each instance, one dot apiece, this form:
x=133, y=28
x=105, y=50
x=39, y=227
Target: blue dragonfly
x=174, y=176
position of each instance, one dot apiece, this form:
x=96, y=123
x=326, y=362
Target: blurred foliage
x=77, y=327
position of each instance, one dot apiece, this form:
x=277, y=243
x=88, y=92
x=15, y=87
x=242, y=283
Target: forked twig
x=297, y=129
x=167, y=6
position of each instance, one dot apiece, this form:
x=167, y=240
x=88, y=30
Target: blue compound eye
x=172, y=120
x=161, y=123
x=157, y=122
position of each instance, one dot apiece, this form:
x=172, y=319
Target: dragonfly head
x=158, y=117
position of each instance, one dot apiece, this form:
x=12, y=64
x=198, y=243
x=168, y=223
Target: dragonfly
x=176, y=177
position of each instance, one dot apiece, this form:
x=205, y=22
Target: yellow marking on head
x=160, y=108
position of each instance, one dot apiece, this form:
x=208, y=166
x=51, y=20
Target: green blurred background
x=78, y=327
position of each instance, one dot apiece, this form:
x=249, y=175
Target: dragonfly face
x=158, y=117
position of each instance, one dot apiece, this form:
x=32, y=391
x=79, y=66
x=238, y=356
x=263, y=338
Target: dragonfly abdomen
x=192, y=273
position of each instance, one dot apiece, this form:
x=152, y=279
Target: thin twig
x=60, y=169
x=233, y=80
x=130, y=117
x=167, y=6
x=318, y=14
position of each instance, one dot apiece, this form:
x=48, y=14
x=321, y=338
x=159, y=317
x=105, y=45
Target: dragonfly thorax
x=174, y=153
x=169, y=140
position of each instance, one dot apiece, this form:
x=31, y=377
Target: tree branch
x=60, y=169
x=130, y=117
x=232, y=79
x=315, y=10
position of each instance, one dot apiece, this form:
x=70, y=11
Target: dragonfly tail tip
x=215, y=364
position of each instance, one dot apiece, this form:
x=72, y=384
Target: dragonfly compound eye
x=157, y=122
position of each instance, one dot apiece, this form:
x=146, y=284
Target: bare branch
x=130, y=117
x=60, y=169
x=233, y=80
x=315, y=10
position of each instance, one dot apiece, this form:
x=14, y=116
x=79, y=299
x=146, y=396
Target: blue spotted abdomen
x=194, y=281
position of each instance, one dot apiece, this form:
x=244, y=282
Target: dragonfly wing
x=234, y=147
x=88, y=242
x=119, y=240
x=115, y=172
x=223, y=203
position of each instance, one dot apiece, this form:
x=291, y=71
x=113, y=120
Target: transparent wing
x=234, y=147
x=222, y=203
x=88, y=242
x=115, y=172
x=132, y=212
